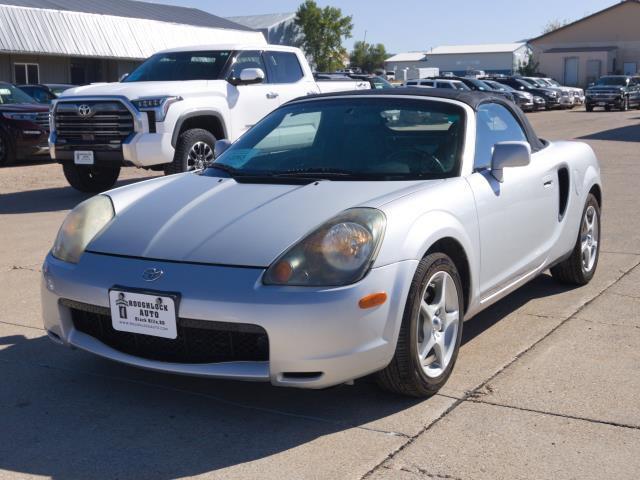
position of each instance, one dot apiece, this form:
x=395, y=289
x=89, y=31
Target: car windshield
x=617, y=81
x=380, y=83
x=350, y=139
x=11, y=95
x=181, y=66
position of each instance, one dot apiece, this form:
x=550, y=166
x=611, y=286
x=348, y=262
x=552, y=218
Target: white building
x=85, y=41
x=495, y=58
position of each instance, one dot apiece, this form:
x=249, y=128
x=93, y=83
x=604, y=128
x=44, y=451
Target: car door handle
x=547, y=182
x=272, y=95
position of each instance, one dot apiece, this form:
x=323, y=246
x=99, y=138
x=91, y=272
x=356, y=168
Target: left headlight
x=80, y=227
x=339, y=252
x=159, y=105
x=19, y=116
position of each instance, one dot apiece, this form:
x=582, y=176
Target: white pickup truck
x=169, y=112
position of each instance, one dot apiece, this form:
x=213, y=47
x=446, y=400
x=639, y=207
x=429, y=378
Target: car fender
x=197, y=112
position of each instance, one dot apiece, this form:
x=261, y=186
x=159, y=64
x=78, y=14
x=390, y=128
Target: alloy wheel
x=438, y=324
x=200, y=155
x=589, y=236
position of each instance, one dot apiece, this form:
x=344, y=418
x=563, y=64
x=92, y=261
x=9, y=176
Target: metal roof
x=55, y=32
x=407, y=57
x=483, y=48
x=267, y=21
x=132, y=9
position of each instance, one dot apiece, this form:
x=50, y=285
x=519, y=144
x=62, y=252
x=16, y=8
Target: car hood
x=23, y=107
x=195, y=218
x=605, y=88
x=134, y=90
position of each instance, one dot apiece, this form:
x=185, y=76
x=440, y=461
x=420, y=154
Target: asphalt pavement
x=546, y=385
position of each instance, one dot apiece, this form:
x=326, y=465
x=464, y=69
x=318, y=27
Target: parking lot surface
x=546, y=384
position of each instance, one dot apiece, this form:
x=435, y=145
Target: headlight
x=339, y=252
x=81, y=226
x=159, y=105
x=19, y=116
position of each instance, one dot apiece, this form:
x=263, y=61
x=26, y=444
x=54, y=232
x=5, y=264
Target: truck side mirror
x=220, y=147
x=123, y=77
x=248, y=76
x=509, y=154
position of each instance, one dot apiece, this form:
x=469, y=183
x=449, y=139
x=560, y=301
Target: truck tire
x=580, y=267
x=91, y=179
x=430, y=332
x=193, y=151
x=7, y=153
x=589, y=108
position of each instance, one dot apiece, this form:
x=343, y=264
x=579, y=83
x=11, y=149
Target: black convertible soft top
x=472, y=98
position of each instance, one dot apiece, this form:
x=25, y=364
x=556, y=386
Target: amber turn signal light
x=373, y=300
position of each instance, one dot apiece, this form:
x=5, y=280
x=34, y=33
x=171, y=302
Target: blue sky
x=404, y=25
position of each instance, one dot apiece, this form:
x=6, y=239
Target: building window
x=26, y=73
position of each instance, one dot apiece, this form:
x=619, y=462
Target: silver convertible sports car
x=343, y=235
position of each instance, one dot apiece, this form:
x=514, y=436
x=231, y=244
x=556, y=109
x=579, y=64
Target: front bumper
x=602, y=101
x=318, y=337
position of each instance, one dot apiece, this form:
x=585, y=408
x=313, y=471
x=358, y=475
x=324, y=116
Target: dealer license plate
x=83, y=157
x=602, y=104
x=143, y=313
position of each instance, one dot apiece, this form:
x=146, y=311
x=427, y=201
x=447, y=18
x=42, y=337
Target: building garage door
x=571, y=71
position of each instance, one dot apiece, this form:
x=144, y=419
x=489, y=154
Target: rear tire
x=193, y=151
x=91, y=178
x=430, y=332
x=580, y=267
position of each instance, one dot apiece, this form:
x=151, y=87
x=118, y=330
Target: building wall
x=617, y=27
x=51, y=69
x=459, y=64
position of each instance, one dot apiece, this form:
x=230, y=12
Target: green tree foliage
x=529, y=68
x=368, y=57
x=554, y=25
x=323, y=30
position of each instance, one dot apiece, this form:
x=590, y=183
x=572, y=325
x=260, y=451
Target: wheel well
x=206, y=122
x=452, y=248
x=595, y=190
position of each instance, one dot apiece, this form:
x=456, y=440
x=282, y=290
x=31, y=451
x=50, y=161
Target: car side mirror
x=592, y=84
x=220, y=147
x=248, y=76
x=123, y=77
x=509, y=154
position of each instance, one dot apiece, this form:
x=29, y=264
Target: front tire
x=193, y=151
x=7, y=153
x=589, y=108
x=430, y=332
x=580, y=267
x=91, y=178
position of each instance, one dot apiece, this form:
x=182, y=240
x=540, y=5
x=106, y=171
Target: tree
x=554, y=25
x=367, y=56
x=528, y=68
x=323, y=30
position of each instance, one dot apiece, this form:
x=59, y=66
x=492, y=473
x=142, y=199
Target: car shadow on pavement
x=47, y=199
x=68, y=414
x=630, y=133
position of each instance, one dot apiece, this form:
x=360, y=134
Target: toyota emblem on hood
x=152, y=274
x=85, y=111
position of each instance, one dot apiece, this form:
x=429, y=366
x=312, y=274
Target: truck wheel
x=193, y=152
x=7, y=154
x=589, y=108
x=91, y=179
x=430, y=333
x=580, y=267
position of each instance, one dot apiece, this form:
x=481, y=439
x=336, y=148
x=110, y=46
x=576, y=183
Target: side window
x=248, y=59
x=426, y=84
x=284, y=67
x=444, y=85
x=494, y=124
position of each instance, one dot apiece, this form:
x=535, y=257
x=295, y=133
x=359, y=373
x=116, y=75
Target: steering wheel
x=415, y=158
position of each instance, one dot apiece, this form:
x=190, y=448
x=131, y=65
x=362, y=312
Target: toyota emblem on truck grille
x=85, y=111
x=152, y=274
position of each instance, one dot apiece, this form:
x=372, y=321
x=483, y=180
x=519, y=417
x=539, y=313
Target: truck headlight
x=159, y=105
x=20, y=116
x=81, y=226
x=339, y=252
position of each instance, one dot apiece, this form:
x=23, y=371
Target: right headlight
x=339, y=252
x=81, y=226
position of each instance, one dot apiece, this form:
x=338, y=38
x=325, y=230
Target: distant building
x=503, y=58
x=606, y=42
x=85, y=41
x=277, y=28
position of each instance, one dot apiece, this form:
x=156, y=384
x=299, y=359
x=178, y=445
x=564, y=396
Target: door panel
x=571, y=71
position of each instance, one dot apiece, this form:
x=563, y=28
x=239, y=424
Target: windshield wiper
x=319, y=172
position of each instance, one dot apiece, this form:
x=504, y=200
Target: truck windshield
x=181, y=66
x=617, y=81
x=11, y=95
x=350, y=139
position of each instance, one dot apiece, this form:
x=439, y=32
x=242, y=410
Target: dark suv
x=24, y=125
x=614, y=91
x=551, y=96
x=480, y=86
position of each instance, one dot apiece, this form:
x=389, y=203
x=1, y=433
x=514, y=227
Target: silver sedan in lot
x=343, y=235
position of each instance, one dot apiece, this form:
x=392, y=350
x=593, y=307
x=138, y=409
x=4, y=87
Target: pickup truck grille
x=97, y=121
x=42, y=120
